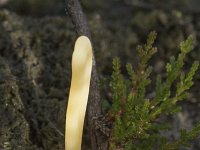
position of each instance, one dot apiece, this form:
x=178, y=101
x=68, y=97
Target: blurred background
x=36, y=42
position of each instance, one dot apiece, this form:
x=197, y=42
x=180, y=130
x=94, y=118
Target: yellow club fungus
x=79, y=91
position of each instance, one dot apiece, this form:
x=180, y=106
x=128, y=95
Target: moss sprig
x=134, y=114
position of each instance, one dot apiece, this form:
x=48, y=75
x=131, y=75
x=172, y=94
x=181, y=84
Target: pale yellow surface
x=79, y=90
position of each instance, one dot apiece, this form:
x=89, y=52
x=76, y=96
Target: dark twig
x=79, y=21
x=74, y=10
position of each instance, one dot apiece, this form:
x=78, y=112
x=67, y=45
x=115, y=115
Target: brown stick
x=74, y=10
x=79, y=21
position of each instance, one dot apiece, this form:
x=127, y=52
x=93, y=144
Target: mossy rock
x=34, y=80
x=14, y=128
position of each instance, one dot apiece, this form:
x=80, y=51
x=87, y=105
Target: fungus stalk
x=79, y=91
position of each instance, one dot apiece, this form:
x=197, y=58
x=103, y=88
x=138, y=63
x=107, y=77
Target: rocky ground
x=36, y=43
